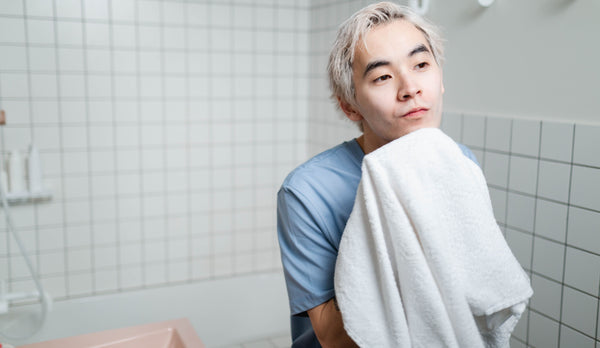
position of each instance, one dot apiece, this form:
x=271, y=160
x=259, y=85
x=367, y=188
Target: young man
x=385, y=73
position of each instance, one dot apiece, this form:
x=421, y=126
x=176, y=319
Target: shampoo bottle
x=16, y=174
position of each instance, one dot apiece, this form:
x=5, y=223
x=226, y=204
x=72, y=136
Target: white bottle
x=3, y=178
x=16, y=172
x=34, y=168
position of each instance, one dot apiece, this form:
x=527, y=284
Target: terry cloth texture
x=422, y=261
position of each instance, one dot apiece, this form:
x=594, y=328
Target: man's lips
x=415, y=112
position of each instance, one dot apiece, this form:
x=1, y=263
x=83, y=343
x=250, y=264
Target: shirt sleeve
x=307, y=255
x=467, y=152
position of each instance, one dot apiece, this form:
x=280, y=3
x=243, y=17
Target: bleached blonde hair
x=351, y=32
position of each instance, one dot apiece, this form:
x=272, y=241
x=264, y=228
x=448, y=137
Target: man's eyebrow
x=420, y=48
x=375, y=64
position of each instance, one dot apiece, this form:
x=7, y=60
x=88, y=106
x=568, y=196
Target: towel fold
x=422, y=261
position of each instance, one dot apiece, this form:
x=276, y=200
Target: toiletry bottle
x=34, y=169
x=3, y=178
x=16, y=174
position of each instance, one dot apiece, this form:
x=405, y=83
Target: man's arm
x=326, y=320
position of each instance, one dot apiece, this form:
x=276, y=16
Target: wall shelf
x=26, y=197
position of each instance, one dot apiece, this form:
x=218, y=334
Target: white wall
x=527, y=59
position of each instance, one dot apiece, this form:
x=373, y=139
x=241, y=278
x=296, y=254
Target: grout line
x=140, y=151
x=533, y=234
x=164, y=146
x=86, y=94
x=562, y=291
x=115, y=145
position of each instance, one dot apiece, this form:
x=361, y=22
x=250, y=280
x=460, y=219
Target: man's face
x=398, y=84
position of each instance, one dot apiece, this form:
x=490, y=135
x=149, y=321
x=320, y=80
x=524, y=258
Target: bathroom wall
x=521, y=92
x=165, y=128
x=543, y=178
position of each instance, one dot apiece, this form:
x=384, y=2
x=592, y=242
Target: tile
x=521, y=210
x=498, y=133
x=79, y=284
x=51, y=239
x=11, y=7
x=514, y=343
x=43, y=86
x=548, y=258
x=523, y=174
x=106, y=280
x=69, y=8
x=496, y=168
x=155, y=274
x=149, y=11
x=587, y=141
x=174, y=38
x=42, y=58
x=525, y=138
x=123, y=35
x=498, y=198
x=581, y=270
x=479, y=156
x=96, y=9
x=173, y=12
x=473, y=131
x=572, y=338
x=557, y=141
x=40, y=31
x=553, y=181
x=99, y=86
x=452, y=124
x=13, y=58
x=14, y=85
x=98, y=61
x=547, y=296
x=39, y=8
x=72, y=86
x=579, y=311
x=149, y=37
x=585, y=187
x=70, y=59
x=12, y=30
x=131, y=277
x=543, y=332
x=123, y=10
x=584, y=229
x=520, y=331
x=551, y=220
x=79, y=259
x=520, y=245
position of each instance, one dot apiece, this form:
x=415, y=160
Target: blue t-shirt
x=313, y=206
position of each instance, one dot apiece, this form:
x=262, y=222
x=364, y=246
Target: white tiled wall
x=544, y=184
x=165, y=128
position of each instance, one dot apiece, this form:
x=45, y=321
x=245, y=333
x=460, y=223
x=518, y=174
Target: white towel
x=422, y=261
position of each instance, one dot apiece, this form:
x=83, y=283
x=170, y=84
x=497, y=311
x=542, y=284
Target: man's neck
x=366, y=145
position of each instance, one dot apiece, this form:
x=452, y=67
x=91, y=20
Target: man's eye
x=422, y=65
x=383, y=78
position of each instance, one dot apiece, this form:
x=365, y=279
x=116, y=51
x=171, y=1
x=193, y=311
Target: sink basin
x=177, y=333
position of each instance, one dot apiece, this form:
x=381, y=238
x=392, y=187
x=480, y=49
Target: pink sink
x=177, y=333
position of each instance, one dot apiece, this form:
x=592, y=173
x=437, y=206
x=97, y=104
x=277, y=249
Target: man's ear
x=349, y=110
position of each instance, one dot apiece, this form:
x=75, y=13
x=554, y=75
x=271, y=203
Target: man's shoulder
x=343, y=158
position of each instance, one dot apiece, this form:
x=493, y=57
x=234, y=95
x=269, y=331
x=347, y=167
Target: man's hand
x=326, y=320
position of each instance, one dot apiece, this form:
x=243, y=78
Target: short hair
x=355, y=28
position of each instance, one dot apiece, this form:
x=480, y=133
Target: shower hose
x=41, y=294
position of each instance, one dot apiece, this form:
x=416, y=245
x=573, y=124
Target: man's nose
x=408, y=89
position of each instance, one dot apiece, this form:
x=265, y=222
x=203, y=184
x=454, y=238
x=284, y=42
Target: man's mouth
x=415, y=112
